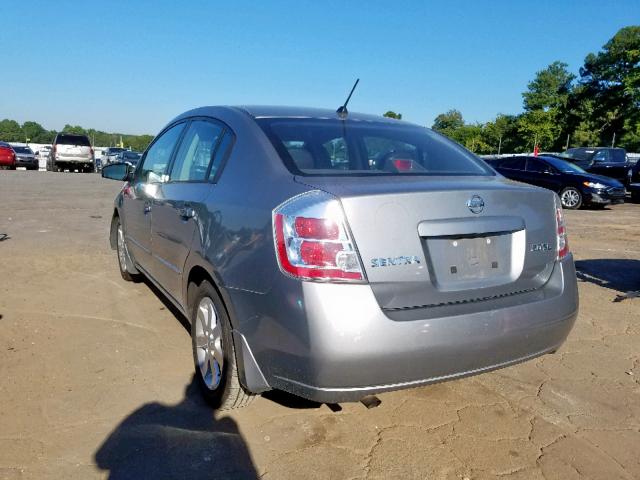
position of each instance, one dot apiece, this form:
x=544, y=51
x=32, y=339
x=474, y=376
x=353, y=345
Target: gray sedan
x=335, y=256
x=25, y=158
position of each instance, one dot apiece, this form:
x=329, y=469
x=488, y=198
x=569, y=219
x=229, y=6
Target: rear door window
x=601, y=156
x=196, y=150
x=536, y=166
x=514, y=163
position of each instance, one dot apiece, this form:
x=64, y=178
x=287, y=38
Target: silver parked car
x=336, y=257
x=110, y=154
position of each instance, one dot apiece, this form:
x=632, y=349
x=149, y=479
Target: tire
x=571, y=198
x=212, y=344
x=123, y=255
x=89, y=169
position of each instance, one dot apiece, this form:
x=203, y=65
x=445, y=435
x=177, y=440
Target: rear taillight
x=563, y=242
x=91, y=151
x=312, y=239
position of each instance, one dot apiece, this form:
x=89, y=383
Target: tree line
x=599, y=107
x=33, y=132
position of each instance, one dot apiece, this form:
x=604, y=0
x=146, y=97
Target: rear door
x=513, y=168
x=140, y=193
x=543, y=175
x=179, y=209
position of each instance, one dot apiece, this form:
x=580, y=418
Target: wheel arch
x=250, y=373
x=113, y=232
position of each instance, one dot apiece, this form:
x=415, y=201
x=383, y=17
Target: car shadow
x=619, y=274
x=187, y=440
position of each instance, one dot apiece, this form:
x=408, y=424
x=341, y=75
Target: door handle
x=186, y=213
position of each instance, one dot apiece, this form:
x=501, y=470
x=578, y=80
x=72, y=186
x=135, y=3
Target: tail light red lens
x=317, y=228
x=563, y=242
x=313, y=241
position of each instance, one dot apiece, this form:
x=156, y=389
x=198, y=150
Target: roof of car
x=273, y=111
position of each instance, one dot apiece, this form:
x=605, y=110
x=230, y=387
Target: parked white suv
x=71, y=152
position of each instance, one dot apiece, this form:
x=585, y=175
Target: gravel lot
x=96, y=373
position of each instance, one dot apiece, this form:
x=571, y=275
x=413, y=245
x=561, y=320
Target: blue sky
x=130, y=66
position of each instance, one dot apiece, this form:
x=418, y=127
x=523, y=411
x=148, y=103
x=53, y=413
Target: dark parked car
x=26, y=158
x=7, y=156
x=610, y=162
x=634, y=182
x=128, y=156
x=574, y=186
x=303, y=265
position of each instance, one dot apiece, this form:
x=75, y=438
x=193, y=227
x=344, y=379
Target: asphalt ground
x=96, y=373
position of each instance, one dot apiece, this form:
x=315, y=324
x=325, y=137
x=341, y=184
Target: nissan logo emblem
x=475, y=204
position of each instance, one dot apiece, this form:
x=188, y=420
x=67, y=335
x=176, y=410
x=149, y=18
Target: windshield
x=324, y=147
x=22, y=150
x=564, y=166
x=78, y=140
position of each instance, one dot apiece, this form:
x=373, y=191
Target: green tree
x=550, y=89
x=449, y=122
x=501, y=134
x=35, y=132
x=611, y=80
x=10, y=131
x=392, y=114
x=77, y=129
x=546, y=107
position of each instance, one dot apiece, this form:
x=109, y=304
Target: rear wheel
x=214, y=355
x=571, y=198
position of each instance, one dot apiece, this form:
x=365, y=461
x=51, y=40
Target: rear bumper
x=76, y=160
x=341, y=346
x=27, y=163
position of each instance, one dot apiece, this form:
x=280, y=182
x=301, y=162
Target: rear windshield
x=111, y=150
x=22, y=150
x=131, y=155
x=80, y=140
x=323, y=147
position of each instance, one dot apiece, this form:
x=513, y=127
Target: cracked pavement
x=96, y=373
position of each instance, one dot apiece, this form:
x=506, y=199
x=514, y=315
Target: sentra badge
x=394, y=261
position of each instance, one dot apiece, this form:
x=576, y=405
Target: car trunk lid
x=421, y=243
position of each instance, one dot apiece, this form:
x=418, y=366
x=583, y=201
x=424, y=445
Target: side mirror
x=118, y=171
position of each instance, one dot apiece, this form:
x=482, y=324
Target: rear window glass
x=79, y=140
x=324, y=147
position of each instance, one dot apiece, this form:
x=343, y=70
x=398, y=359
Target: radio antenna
x=342, y=111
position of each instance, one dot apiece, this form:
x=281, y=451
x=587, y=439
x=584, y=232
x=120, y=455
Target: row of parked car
x=68, y=152
x=581, y=176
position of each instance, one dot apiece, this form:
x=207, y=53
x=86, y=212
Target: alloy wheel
x=209, y=351
x=570, y=198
